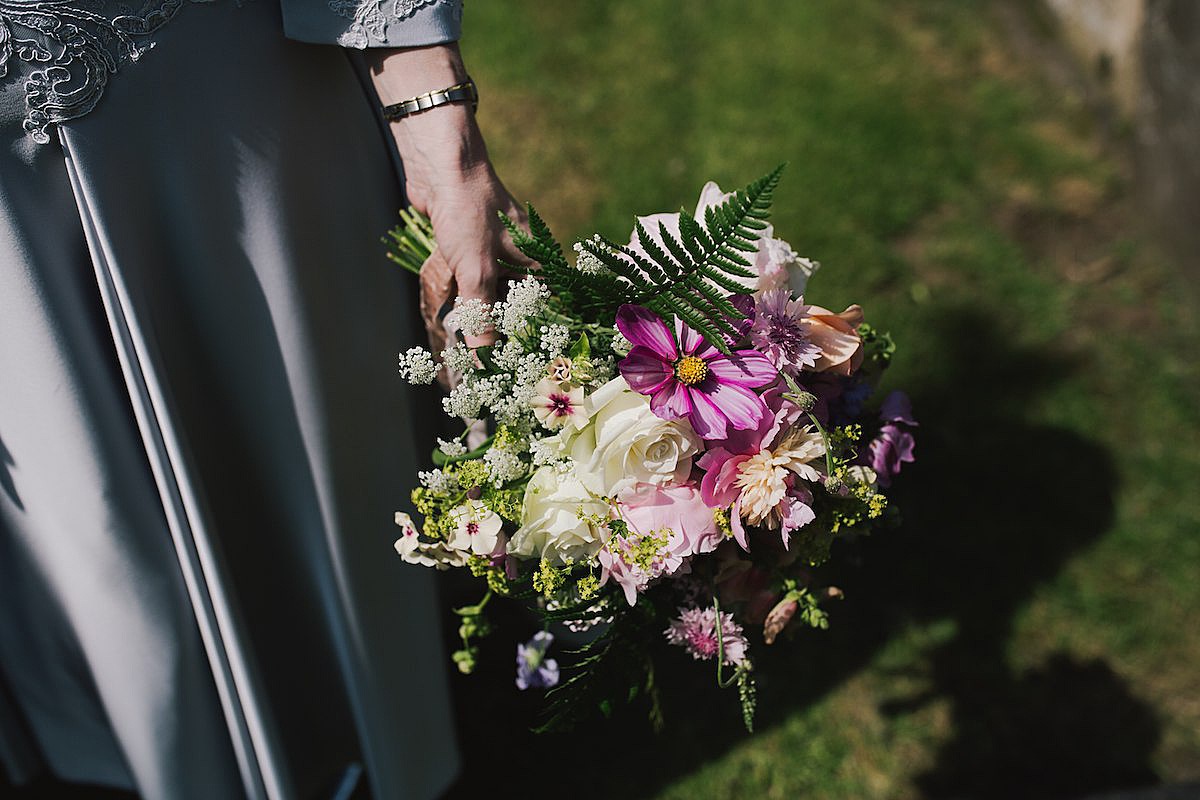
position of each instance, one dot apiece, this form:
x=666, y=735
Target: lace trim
x=74, y=48
x=372, y=17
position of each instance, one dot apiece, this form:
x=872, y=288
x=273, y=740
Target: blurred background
x=1011, y=189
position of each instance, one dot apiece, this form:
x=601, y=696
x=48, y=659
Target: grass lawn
x=1031, y=629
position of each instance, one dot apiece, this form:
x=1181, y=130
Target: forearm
x=443, y=142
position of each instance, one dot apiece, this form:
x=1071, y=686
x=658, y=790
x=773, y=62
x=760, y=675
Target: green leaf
x=581, y=349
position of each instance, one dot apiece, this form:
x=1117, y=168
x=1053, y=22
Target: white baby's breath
x=458, y=358
x=436, y=481
x=473, y=317
x=526, y=299
x=417, y=366
x=503, y=465
x=463, y=401
x=620, y=345
x=452, y=448
x=586, y=261
x=604, y=369
x=546, y=450
x=554, y=339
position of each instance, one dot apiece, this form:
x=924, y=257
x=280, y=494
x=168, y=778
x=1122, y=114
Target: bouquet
x=662, y=444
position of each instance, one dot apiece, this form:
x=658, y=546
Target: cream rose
x=553, y=529
x=624, y=443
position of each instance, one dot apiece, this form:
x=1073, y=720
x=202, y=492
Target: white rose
x=624, y=443
x=553, y=529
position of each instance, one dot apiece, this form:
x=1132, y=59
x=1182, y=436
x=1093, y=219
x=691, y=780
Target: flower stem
x=720, y=630
x=795, y=388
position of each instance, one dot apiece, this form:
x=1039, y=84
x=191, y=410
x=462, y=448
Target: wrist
x=402, y=73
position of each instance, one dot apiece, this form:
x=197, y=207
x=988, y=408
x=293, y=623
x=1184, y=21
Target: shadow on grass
x=994, y=508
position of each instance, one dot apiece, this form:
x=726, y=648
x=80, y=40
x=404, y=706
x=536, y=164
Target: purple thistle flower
x=695, y=629
x=779, y=332
x=534, y=670
x=685, y=376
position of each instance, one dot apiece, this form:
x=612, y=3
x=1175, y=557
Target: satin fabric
x=203, y=438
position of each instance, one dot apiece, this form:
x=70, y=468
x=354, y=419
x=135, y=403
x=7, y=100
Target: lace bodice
x=66, y=51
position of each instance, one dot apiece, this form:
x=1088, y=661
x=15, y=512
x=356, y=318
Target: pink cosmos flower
x=685, y=376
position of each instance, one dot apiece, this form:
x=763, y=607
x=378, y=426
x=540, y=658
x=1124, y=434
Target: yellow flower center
x=690, y=370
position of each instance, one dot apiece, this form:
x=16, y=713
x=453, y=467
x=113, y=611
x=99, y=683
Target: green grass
x=1030, y=630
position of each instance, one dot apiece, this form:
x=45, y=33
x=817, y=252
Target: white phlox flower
x=476, y=529
x=558, y=405
x=425, y=554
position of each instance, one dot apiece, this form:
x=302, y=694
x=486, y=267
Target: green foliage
x=686, y=277
x=614, y=668
x=748, y=696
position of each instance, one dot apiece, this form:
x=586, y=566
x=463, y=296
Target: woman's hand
x=449, y=178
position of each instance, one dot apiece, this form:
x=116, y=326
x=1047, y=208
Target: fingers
x=437, y=289
x=471, y=244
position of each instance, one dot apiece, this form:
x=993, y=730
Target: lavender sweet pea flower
x=692, y=378
x=534, y=670
x=894, y=444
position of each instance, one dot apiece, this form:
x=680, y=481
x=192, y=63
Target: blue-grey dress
x=202, y=436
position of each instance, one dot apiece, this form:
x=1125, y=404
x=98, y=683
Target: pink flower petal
x=642, y=326
x=650, y=224
x=718, y=486
x=672, y=401
x=747, y=368
x=708, y=418
x=735, y=524
x=692, y=343
x=742, y=407
x=710, y=195
x=645, y=370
